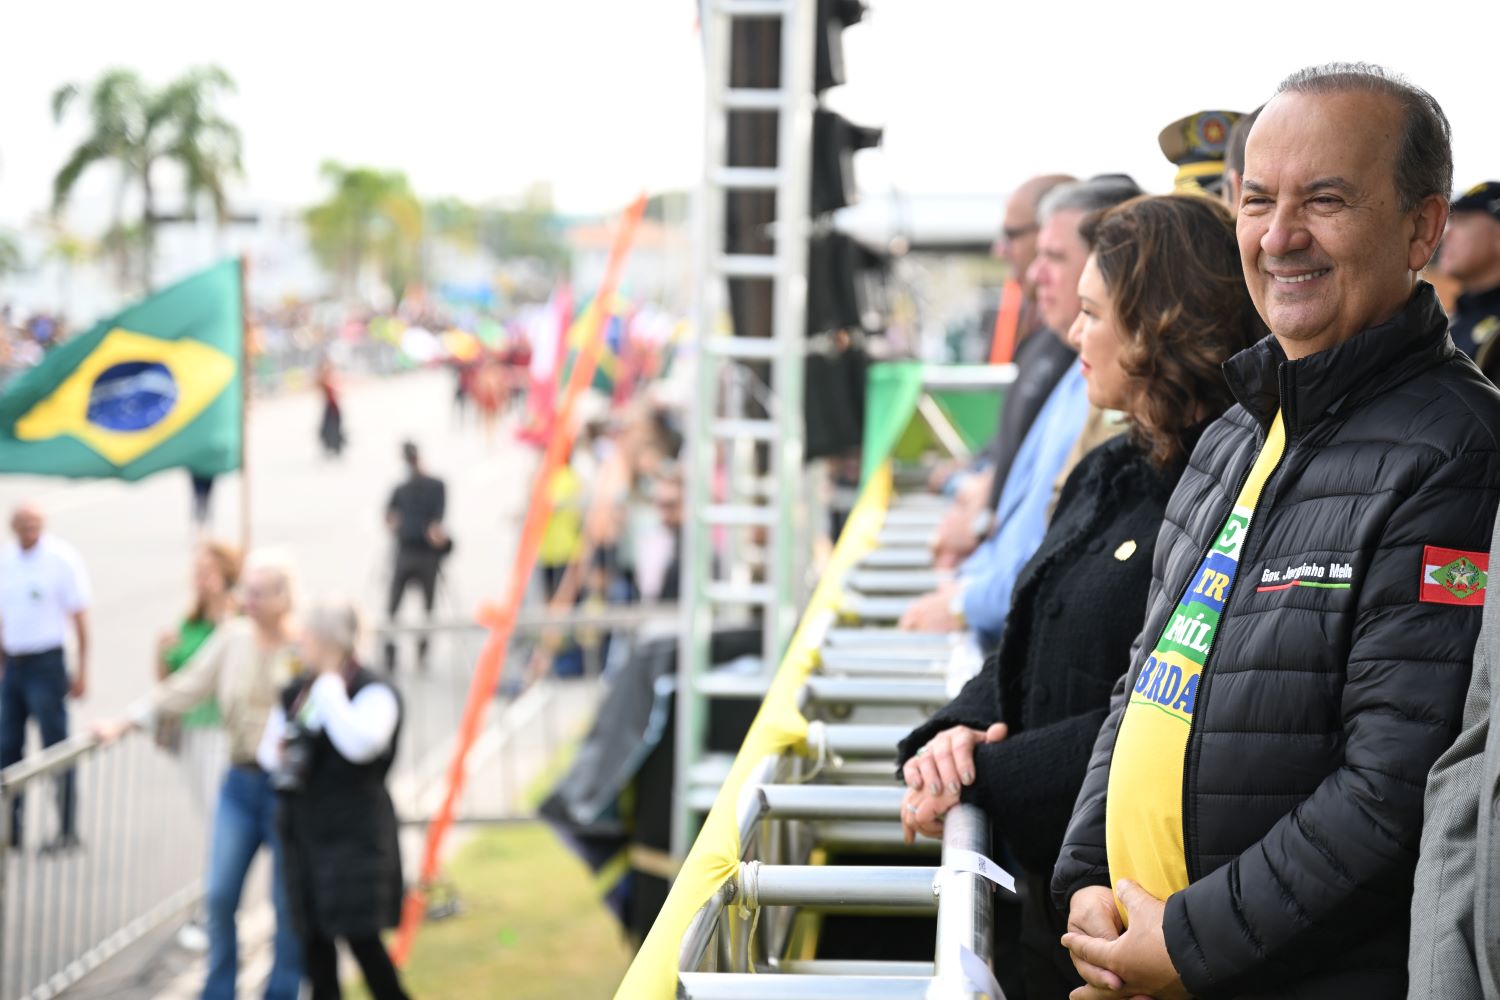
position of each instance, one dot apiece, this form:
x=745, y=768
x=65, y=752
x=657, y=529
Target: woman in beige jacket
x=242, y=666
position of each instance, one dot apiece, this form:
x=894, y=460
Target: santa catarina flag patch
x=1450, y=576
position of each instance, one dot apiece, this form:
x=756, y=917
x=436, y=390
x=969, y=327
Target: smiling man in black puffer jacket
x=1255, y=796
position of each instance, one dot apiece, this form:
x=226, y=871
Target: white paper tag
x=977, y=971
x=960, y=860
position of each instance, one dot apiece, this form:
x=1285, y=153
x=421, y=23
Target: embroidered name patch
x=1450, y=576
x=1320, y=575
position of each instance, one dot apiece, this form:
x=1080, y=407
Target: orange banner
x=1007, y=324
x=501, y=619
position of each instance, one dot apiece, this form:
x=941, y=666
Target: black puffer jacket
x=1321, y=710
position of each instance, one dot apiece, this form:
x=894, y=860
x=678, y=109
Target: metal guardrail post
x=966, y=915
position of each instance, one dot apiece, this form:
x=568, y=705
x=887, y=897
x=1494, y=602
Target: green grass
x=531, y=927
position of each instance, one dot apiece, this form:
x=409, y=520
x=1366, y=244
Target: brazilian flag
x=155, y=387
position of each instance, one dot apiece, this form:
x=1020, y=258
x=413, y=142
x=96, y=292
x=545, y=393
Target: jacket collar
x=1367, y=364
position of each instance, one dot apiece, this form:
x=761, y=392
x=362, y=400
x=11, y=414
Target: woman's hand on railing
x=946, y=763
x=107, y=731
x=935, y=777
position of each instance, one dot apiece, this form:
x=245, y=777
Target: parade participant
x=489, y=392
x=203, y=492
x=328, y=745
x=1040, y=359
x=331, y=428
x=242, y=666
x=1164, y=305
x=1471, y=254
x=1196, y=145
x=414, y=516
x=981, y=595
x=1249, y=822
x=44, y=593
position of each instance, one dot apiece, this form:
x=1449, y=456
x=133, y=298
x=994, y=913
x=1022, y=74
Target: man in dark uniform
x=1196, y=145
x=1471, y=254
x=415, y=517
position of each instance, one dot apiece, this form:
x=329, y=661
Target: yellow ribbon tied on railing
x=779, y=726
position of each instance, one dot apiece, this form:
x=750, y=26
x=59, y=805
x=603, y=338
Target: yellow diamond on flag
x=130, y=394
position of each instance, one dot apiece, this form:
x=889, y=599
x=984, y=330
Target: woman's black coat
x=340, y=854
x=1076, y=609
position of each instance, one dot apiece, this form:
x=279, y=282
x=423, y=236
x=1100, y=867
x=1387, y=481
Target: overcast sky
x=602, y=97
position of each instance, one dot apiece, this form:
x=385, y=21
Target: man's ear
x=1428, y=221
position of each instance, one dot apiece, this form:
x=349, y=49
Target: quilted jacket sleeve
x=1340, y=864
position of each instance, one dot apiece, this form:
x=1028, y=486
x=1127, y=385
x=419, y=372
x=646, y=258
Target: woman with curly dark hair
x=1164, y=306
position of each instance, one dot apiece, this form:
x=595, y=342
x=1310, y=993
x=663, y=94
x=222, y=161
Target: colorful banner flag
x=155, y=387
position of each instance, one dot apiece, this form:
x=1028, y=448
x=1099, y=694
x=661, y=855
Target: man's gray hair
x=335, y=623
x=1424, y=153
x=1087, y=196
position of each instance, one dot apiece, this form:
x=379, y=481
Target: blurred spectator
x=216, y=572
x=329, y=744
x=44, y=589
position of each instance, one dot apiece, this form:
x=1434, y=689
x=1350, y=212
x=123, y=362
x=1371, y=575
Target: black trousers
x=413, y=566
x=321, y=960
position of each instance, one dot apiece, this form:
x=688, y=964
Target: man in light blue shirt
x=980, y=596
x=985, y=579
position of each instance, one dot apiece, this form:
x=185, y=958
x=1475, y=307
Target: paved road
x=136, y=537
x=136, y=540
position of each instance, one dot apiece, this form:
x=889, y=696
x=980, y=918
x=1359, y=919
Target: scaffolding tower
x=744, y=443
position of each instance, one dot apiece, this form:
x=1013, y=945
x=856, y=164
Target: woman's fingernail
x=953, y=788
x=968, y=777
x=935, y=789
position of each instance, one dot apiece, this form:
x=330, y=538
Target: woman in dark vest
x=1164, y=305
x=328, y=747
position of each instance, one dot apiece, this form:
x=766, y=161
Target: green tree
x=137, y=127
x=530, y=230
x=371, y=222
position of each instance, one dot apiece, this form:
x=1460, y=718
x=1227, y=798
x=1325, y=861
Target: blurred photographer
x=328, y=747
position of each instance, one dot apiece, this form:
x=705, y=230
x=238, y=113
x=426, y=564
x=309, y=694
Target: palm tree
x=11, y=259
x=137, y=127
x=69, y=250
x=371, y=222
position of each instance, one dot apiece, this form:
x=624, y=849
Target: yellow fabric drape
x=778, y=726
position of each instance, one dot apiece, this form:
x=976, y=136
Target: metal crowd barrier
x=141, y=816
x=836, y=794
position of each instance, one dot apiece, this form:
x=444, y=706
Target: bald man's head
x=26, y=522
x=1017, y=242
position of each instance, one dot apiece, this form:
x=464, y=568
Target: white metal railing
x=136, y=860
x=871, y=685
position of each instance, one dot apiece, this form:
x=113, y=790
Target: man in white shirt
x=43, y=588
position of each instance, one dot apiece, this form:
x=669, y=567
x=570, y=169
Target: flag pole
x=244, y=407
